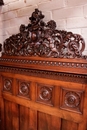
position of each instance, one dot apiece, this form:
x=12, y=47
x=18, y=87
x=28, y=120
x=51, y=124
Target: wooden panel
x=28, y=119
x=45, y=109
x=2, y=114
x=8, y=115
x=24, y=118
x=68, y=125
x=48, y=122
x=15, y=116
x=33, y=119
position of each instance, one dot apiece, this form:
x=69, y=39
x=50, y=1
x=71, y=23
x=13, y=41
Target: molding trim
x=68, y=77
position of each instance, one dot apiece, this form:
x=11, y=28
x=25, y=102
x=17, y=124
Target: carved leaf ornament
x=44, y=40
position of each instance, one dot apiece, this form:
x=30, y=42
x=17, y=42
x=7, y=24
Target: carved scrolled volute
x=43, y=39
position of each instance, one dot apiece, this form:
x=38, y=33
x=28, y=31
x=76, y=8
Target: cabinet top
x=40, y=45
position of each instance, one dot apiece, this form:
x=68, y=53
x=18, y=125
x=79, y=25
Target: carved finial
x=36, y=17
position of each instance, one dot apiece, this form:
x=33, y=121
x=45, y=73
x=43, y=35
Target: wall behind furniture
x=70, y=15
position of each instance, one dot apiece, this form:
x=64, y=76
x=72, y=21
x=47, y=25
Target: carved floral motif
x=24, y=89
x=72, y=99
x=45, y=93
x=1, y=2
x=7, y=84
x=43, y=39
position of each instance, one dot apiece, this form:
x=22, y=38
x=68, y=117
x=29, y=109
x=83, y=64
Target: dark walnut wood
x=43, y=78
x=43, y=39
x=1, y=2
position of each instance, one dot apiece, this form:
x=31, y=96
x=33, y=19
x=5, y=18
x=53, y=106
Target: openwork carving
x=0, y=47
x=24, y=89
x=43, y=39
x=1, y=2
x=72, y=99
x=45, y=94
x=7, y=84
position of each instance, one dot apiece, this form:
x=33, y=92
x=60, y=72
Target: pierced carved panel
x=23, y=88
x=45, y=94
x=7, y=84
x=71, y=100
x=44, y=40
x=1, y=2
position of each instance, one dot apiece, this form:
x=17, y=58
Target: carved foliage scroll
x=71, y=100
x=1, y=2
x=43, y=39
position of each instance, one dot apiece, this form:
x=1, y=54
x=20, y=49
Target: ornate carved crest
x=43, y=39
x=1, y=2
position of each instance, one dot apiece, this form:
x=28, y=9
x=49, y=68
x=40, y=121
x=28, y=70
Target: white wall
x=70, y=15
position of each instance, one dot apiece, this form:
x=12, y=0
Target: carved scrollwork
x=7, y=84
x=0, y=47
x=1, y=2
x=43, y=39
x=24, y=89
x=45, y=93
x=72, y=99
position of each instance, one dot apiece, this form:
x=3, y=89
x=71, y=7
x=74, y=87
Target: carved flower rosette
x=7, y=84
x=72, y=99
x=24, y=89
x=45, y=94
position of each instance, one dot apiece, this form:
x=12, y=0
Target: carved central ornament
x=43, y=39
x=72, y=99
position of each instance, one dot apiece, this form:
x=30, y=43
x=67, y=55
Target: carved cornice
x=44, y=40
x=45, y=62
x=78, y=78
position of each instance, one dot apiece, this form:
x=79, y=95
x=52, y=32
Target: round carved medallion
x=24, y=89
x=7, y=84
x=45, y=93
x=72, y=99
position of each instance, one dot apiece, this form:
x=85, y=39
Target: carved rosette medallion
x=71, y=100
x=45, y=94
x=24, y=89
x=7, y=86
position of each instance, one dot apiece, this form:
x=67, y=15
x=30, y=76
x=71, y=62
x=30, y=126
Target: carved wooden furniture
x=1, y=2
x=43, y=79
